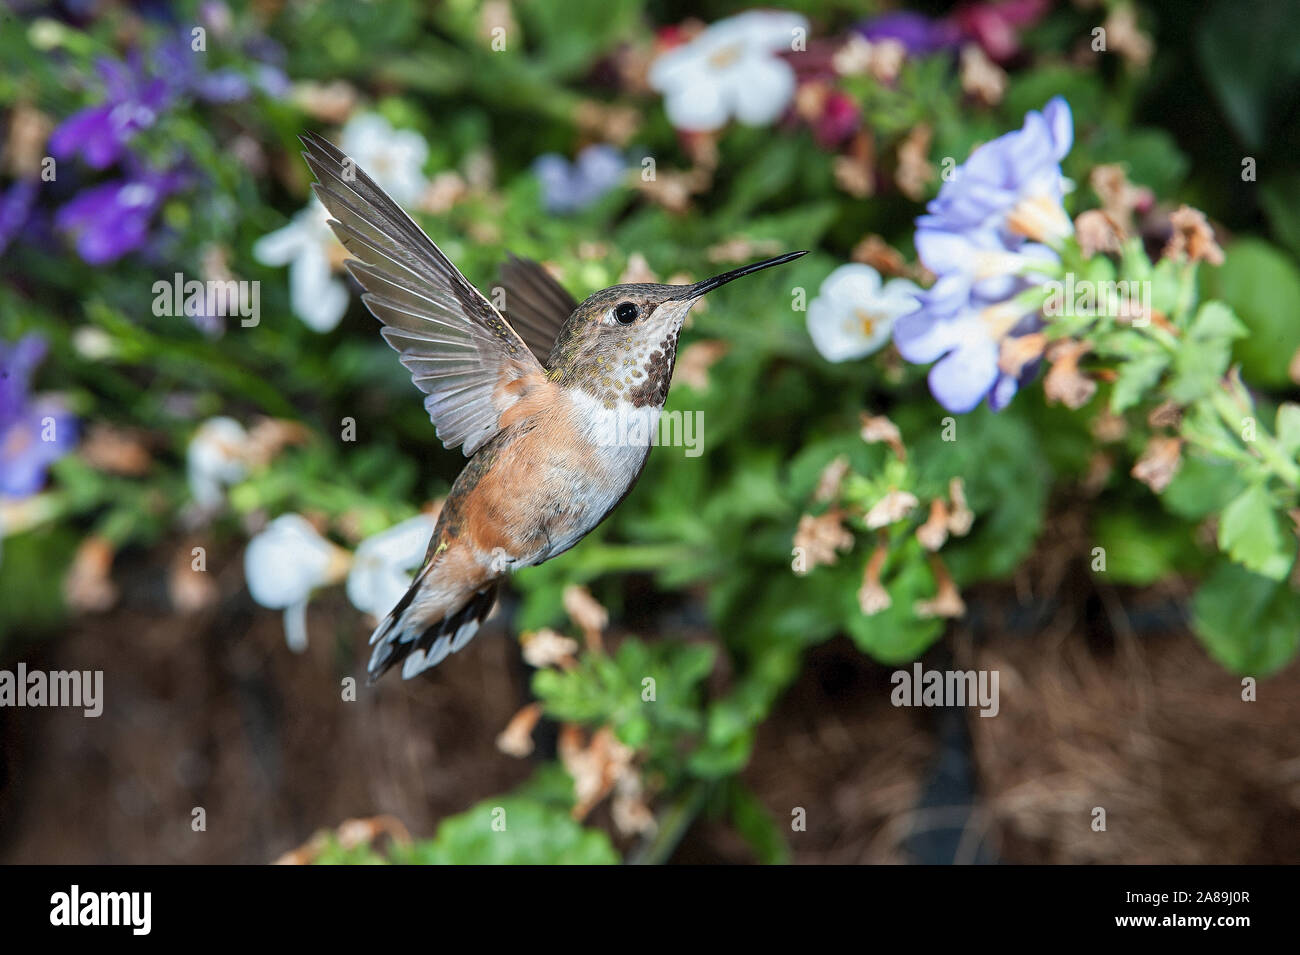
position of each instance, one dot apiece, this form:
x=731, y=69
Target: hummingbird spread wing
x=535, y=303
x=460, y=350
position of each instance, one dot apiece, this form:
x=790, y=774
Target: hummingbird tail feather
x=409, y=638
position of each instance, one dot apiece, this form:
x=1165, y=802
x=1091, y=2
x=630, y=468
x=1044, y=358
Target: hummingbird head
x=621, y=342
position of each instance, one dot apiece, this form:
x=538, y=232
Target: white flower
x=215, y=459
x=284, y=563
x=853, y=314
x=393, y=158
x=381, y=569
x=306, y=245
x=730, y=70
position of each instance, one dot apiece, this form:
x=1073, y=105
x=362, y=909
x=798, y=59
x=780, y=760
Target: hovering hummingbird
x=531, y=397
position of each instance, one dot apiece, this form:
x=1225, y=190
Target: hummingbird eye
x=626, y=312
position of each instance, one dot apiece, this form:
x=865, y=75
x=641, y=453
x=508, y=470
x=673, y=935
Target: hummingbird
x=537, y=398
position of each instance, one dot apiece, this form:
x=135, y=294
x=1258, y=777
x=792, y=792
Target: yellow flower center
x=725, y=57
x=866, y=322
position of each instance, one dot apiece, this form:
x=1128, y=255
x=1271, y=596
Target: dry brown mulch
x=212, y=710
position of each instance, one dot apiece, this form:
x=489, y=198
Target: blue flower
x=1004, y=181
x=99, y=134
x=34, y=432
x=568, y=187
x=920, y=34
x=15, y=209
x=988, y=237
x=113, y=219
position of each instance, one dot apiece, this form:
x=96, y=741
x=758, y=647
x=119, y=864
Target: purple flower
x=988, y=237
x=112, y=219
x=966, y=342
x=15, y=209
x=920, y=34
x=33, y=432
x=186, y=74
x=100, y=133
x=985, y=191
x=568, y=187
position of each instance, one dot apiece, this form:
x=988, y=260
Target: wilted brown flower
x=914, y=170
x=496, y=18
x=819, y=538
x=832, y=476
x=546, y=647
x=854, y=57
x=855, y=171
x=1098, y=232
x=874, y=251
x=894, y=506
x=947, y=600
x=331, y=102
x=608, y=122
x=1016, y=351
x=933, y=534
x=517, y=738
x=1159, y=462
x=443, y=191
x=1109, y=428
x=87, y=588
x=24, y=147
x=628, y=808
x=1193, y=238
x=1064, y=382
x=595, y=768
x=872, y=595
x=980, y=76
x=350, y=834
x=1167, y=414
x=1124, y=37
x=1118, y=196
x=960, y=516
x=191, y=589
x=877, y=428
x=887, y=57
x=673, y=189
x=637, y=271
x=742, y=249
x=115, y=450
x=584, y=610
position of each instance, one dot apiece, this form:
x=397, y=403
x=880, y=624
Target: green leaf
x=1288, y=428
x=897, y=634
x=1247, y=52
x=1202, y=486
x=1262, y=286
x=1251, y=534
x=1248, y=623
x=756, y=825
x=1205, y=352
x=1142, y=545
x=1136, y=377
x=512, y=831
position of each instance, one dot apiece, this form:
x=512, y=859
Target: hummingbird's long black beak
x=708, y=285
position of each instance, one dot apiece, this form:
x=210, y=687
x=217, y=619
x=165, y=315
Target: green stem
x=673, y=826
